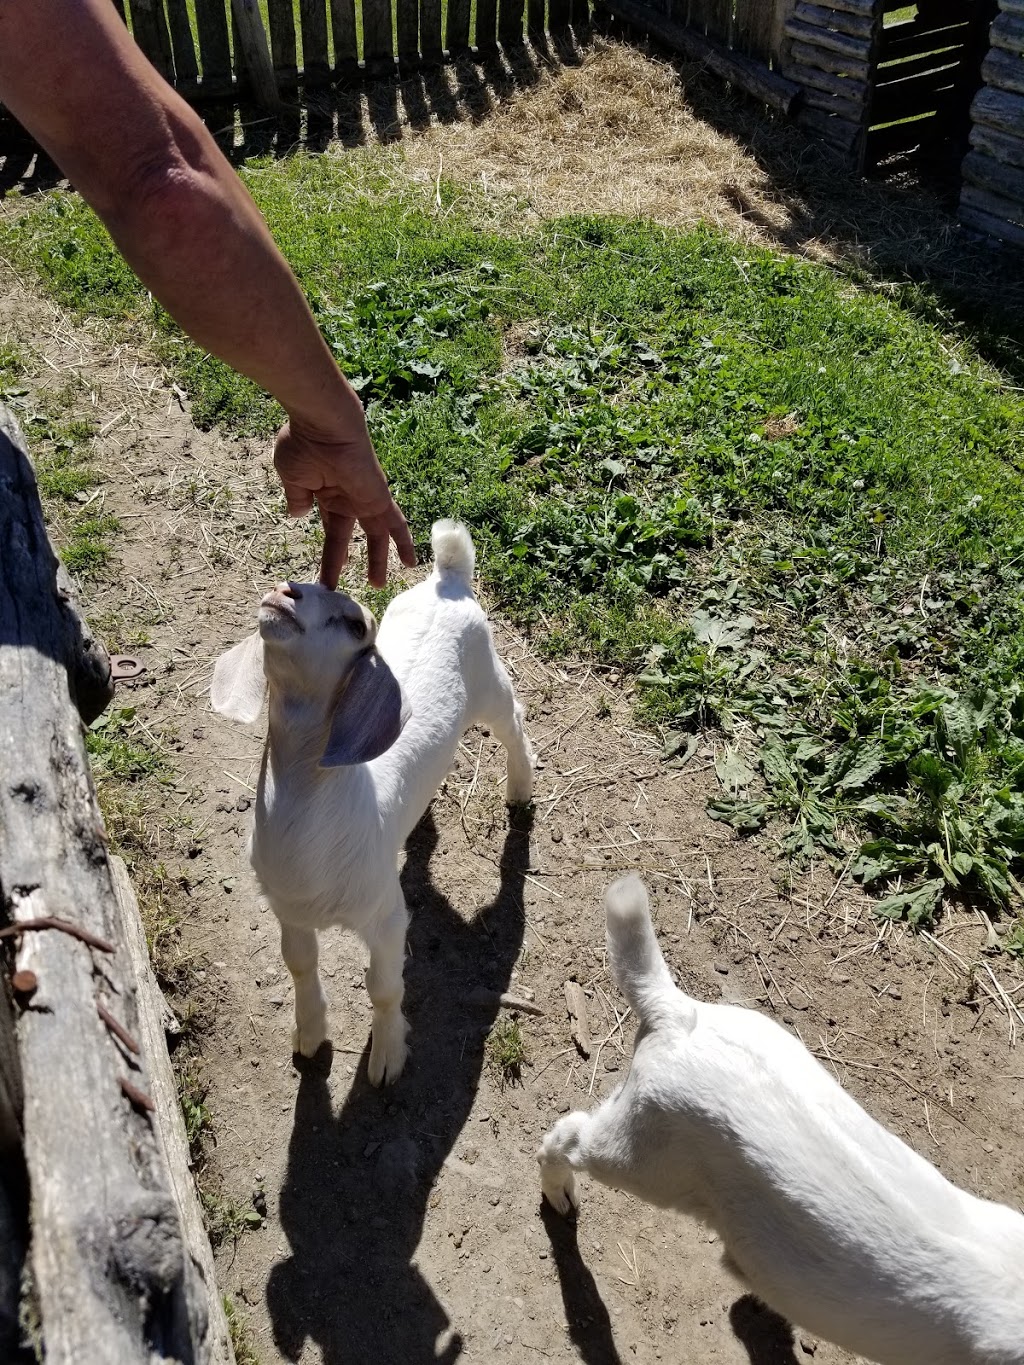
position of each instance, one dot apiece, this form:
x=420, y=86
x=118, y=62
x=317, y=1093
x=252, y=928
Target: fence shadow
x=354, y=1197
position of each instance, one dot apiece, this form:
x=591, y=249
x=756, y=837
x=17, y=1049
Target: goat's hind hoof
x=387, y=1060
x=563, y=1199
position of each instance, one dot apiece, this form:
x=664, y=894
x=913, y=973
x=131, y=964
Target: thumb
x=299, y=499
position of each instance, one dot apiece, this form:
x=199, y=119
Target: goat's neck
x=296, y=735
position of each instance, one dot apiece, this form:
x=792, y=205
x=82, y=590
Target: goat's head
x=315, y=648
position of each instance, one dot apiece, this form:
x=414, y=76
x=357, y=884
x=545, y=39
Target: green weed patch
x=791, y=507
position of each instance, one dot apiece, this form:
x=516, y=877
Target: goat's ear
x=239, y=683
x=369, y=715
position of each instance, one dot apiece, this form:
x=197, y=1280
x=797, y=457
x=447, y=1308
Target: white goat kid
x=364, y=725
x=830, y=1219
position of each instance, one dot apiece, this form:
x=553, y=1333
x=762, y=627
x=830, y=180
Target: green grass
x=506, y=1048
x=791, y=506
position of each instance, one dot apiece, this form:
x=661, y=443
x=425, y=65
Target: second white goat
x=364, y=725
x=830, y=1218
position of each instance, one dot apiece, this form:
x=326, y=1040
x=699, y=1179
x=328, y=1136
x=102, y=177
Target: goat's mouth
x=276, y=607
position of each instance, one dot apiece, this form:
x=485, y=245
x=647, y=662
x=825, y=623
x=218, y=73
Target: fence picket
x=486, y=29
x=313, y=22
x=149, y=28
x=457, y=25
x=186, y=69
x=535, y=18
x=430, y=30
x=753, y=27
x=510, y=21
x=558, y=14
x=214, y=48
x=282, y=39
x=378, y=50
x=343, y=27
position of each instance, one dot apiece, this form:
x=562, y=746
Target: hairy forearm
x=172, y=203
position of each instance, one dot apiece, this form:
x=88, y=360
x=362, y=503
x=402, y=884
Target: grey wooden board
x=753, y=25
x=313, y=21
x=1004, y=72
x=485, y=32
x=214, y=47
x=343, y=27
x=1003, y=146
x=149, y=29
x=377, y=44
x=430, y=29
x=183, y=47
x=457, y=25
x=281, y=17
x=251, y=40
x=511, y=20
x=113, y=1282
x=997, y=109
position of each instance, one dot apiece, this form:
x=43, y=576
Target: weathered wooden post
x=120, y=1268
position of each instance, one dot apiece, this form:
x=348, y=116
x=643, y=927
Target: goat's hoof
x=307, y=1042
x=562, y=1198
x=387, y=1059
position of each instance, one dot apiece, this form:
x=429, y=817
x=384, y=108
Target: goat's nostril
x=289, y=590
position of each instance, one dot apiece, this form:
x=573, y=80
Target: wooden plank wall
x=827, y=52
x=992, y=198
x=313, y=42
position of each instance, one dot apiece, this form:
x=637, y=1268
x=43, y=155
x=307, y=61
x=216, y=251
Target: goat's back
x=822, y=1209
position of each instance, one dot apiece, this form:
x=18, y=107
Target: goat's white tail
x=453, y=550
x=637, y=964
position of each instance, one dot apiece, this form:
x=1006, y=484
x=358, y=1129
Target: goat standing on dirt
x=364, y=725
x=830, y=1219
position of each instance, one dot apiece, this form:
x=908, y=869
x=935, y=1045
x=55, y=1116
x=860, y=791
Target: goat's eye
x=357, y=626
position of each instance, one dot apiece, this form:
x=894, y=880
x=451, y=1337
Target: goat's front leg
x=561, y=1150
x=385, y=987
x=299, y=950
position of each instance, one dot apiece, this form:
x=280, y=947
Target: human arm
x=184, y=222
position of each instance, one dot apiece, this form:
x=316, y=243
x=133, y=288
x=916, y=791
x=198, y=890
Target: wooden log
x=990, y=225
x=866, y=9
x=457, y=26
x=1012, y=6
x=343, y=27
x=857, y=48
x=579, y=1024
x=1002, y=71
x=214, y=47
x=852, y=110
x=113, y=1282
x=840, y=133
x=182, y=45
x=281, y=18
x=149, y=29
x=750, y=76
x=259, y=67
x=313, y=23
x=990, y=174
x=846, y=87
x=803, y=55
x=1007, y=32
x=431, y=45
x=997, y=109
x=997, y=206
x=819, y=17
x=1005, y=148
x=170, y=1124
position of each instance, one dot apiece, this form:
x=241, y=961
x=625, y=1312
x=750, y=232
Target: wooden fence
x=229, y=48
x=992, y=199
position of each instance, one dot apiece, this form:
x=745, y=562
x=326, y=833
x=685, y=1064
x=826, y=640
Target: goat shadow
x=356, y=1186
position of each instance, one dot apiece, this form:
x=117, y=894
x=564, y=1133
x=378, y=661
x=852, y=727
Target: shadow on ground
x=357, y=1182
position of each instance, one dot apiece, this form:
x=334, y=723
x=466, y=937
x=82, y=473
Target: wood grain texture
x=281, y=18
x=214, y=47
x=114, y=1283
x=256, y=60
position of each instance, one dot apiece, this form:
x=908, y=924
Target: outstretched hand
x=346, y=481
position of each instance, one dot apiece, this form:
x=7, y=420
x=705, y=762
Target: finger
x=403, y=540
x=337, y=534
x=378, y=543
x=299, y=500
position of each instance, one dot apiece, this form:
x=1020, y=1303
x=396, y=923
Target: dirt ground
x=405, y=1225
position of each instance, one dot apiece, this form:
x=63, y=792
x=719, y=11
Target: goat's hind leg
x=504, y=715
x=300, y=953
x=385, y=987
